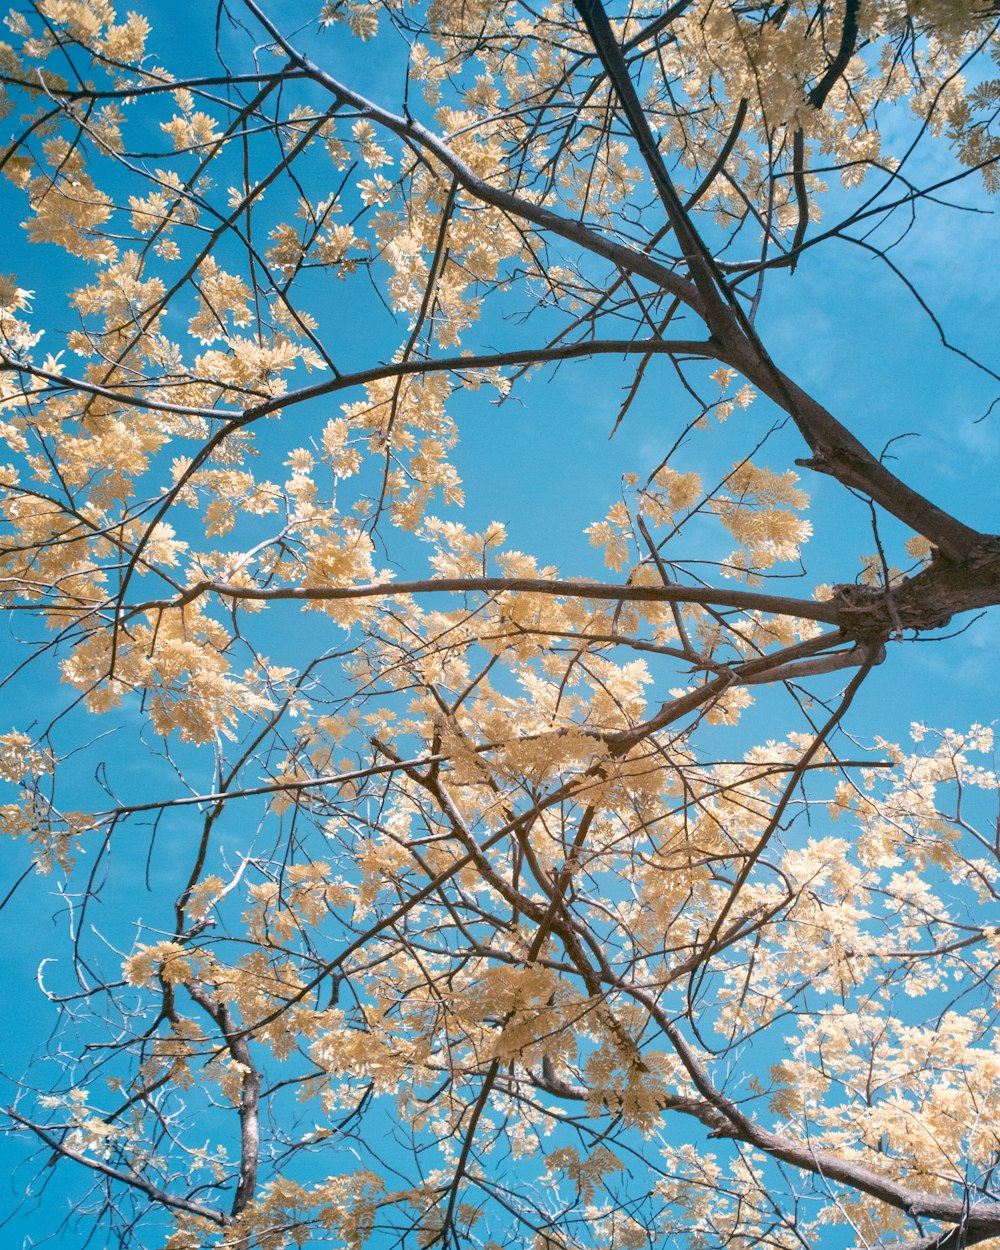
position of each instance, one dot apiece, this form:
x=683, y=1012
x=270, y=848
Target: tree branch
x=746, y=600
x=151, y=1191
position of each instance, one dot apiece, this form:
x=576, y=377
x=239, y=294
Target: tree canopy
x=413, y=889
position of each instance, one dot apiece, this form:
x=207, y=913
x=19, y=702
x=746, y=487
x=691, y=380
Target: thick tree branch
x=837, y=452
x=545, y=219
x=714, y=306
x=748, y=600
x=848, y=41
x=153, y=1192
x=238, y=1045
x=480, y=361
x=982, y=1216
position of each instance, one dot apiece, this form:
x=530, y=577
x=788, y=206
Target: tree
x=420, y=895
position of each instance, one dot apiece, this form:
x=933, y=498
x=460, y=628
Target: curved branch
x=411, y=131
x=701, y=348
x=151, y=1191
